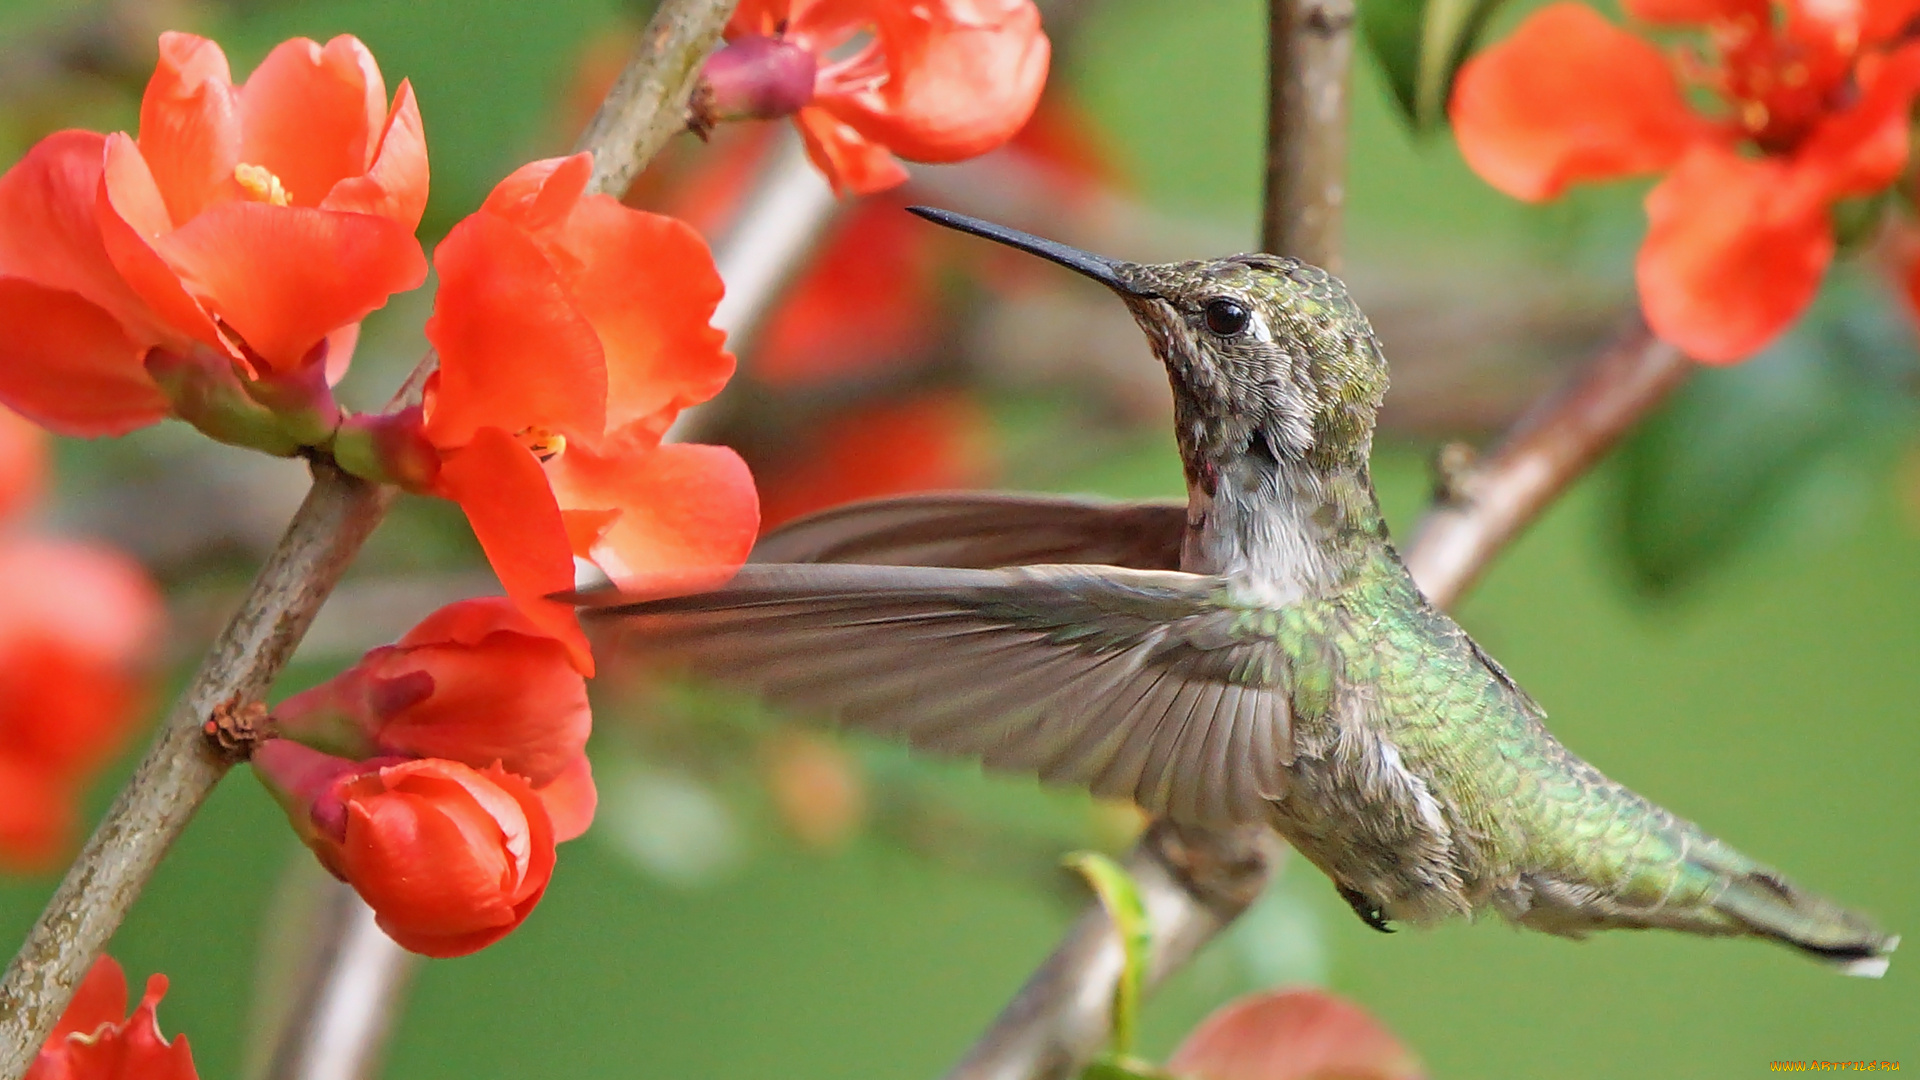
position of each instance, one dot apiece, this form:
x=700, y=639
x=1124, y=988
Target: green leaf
x=1714, y=466
x=1420, y=45
x=1121, y=897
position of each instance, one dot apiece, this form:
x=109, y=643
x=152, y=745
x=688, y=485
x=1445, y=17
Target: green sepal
x=203, y=389
x=1121, y=897
x=387, y=448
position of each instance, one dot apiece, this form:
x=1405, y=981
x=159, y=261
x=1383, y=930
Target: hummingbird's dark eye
x=1226, y=317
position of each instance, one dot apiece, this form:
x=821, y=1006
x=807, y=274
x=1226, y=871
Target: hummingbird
x=1259, y=654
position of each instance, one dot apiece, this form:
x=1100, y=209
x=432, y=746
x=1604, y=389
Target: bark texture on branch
x=1309, y=54
x=648, y=102
x=1553, y=445
x=646, y=106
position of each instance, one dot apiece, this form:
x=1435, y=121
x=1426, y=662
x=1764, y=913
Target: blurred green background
x=1726, y=616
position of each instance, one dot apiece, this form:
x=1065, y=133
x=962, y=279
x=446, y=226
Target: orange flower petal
x=131, y=214
x=37, y=815
x=190, y=124
x=49, y=232
x=853, y=164
x=87, y=597
x=395, y=185
x=1735, y=251
x=688, y=514
x=1293, y=1035
x=1569, y=97
x=313, y=116
x=67, y=364
x=500, y=305
x=101, y=999
x=539, y=195
x=23, y=460
x=648, y=285
x=503, y=490
x=283, y=277
x=571, y=800
x=1699, y=12
x=962, y=76
x=450, y=858
x=1864, y=148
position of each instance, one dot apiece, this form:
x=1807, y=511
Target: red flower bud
x=476, y=682
x=755, y=77
x=450, y=859
x=91, y=1042
x=1293, y=1035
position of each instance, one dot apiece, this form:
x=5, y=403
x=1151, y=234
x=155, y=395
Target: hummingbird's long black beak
x=1109, y=272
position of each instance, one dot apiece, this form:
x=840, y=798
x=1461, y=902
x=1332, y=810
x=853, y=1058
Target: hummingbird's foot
x=1364, y=907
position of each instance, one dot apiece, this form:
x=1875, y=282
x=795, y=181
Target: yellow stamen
x=546, y=445
x=1754, y=115
x=260, y=184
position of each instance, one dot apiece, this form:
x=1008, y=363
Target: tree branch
x=645, y=107
x=648, y=102
x=1309, y=52
x=1553, y=445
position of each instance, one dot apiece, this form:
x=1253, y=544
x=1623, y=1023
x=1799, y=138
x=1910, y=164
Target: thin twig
x=648, y=102
x=1554, y=444
x=645, y=107
x=180, y=769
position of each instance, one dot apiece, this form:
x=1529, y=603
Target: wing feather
x=1136, y=683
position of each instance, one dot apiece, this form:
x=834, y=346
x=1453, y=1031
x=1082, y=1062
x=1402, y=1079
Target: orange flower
x=77, y=625
x=1739, y=234
x=1292, y=1035
x=475, y=682
x=92, y=1042
x=939, y=81
x=571, y=331
x=451, y=859
x=244, y=233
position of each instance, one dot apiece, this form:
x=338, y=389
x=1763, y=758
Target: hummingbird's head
x=1259, y=348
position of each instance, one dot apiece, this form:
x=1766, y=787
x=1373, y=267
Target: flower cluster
x=936, y=81
x=436, y=775
x=92, y=1042
x=571, y=332
x=217, y=267
x=78, y=622
x=1815, y=102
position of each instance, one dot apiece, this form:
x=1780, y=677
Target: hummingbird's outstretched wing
x=1135, y=684
x=984, y=529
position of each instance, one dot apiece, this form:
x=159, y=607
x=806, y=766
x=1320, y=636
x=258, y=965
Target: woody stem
x=645, y=107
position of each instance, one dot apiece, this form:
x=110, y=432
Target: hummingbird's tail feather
x=1767, y=905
